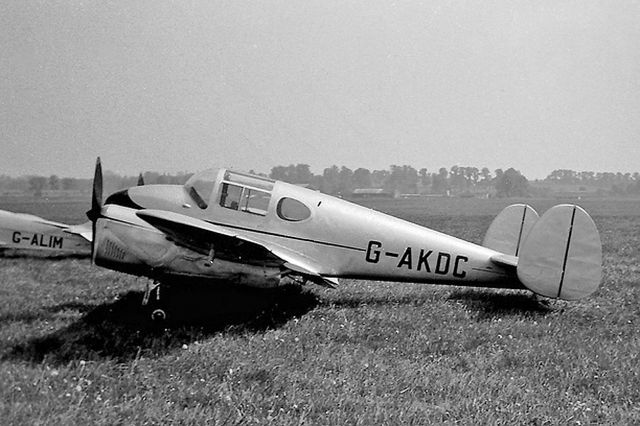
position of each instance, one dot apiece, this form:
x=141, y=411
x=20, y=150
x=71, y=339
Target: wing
x=234, y=244
x=38, y=219
x=84, y=230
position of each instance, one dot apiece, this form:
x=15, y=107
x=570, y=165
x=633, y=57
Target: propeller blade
x=96, y=204
x=96, y=196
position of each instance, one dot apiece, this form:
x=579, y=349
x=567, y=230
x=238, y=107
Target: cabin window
x=292, y=210
x=249, y=200
x=255, y=201
x=230, y=197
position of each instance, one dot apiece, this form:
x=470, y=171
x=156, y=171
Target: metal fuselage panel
x=352, y=241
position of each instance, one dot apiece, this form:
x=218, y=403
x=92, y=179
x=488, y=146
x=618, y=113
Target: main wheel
x=158, y=315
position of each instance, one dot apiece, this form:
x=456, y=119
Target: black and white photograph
x=320, y=213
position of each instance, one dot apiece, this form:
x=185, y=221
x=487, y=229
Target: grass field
x=75, y=347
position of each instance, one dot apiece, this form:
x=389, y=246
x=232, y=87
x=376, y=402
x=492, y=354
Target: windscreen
x=200, y=186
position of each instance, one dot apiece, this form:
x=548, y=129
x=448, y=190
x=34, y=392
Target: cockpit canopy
x=238, y=191
x=200, y=187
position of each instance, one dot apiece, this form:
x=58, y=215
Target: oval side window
x=292, y=210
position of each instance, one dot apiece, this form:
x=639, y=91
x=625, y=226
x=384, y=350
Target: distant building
x=371, y=193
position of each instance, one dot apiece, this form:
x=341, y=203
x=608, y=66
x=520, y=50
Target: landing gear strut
x=151, y=300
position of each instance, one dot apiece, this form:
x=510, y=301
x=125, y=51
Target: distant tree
x=486, y=175
x=379, y=178
x=439, y=183
x=303, y=174
x=54, y=182
x=68, y=183
x=512, y=184
x=346, y=181
x=37, y=184
x=586, y=177
x=330, y=180
x=442, y=172
x=409, y=180
x=299, y=173
x=456, y=178
x=472, y=174
x=278, y=173
x=403, y=179
x=362, y=178
x=425, y=179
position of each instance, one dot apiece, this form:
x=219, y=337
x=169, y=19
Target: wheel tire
x=158, y=315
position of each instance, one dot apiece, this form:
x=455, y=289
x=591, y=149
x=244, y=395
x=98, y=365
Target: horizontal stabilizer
x=510, y=228
x=505, y=260
x=562, y=255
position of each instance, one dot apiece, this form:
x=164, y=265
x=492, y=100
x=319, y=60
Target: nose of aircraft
x=122, y=198
x=161, y=197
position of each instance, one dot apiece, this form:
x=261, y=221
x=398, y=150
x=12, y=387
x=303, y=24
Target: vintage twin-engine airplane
x=227, y=226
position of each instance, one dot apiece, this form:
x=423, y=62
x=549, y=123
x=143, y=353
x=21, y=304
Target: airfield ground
x=75, y=348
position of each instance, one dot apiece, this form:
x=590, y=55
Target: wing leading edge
x=190, y=231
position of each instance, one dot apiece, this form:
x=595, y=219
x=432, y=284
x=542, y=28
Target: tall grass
x=76, y=347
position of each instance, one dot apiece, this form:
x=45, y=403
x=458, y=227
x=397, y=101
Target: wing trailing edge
x=84, y=230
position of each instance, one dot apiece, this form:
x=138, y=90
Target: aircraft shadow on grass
x=491, y=304
x=122, y=331
x=486, y=303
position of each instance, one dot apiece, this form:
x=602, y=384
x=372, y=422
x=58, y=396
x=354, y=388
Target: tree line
x=341, y=180
x=406, y=179
x=616, y=183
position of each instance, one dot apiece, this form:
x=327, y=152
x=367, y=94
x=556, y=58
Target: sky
x=189, y=85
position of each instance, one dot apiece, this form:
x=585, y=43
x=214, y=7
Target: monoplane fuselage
x=330, y=236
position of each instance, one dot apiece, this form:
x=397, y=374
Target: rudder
x=562, y=255
x=510, y=228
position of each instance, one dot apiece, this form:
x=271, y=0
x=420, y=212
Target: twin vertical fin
x=510, y=228
x=562, y=256
x=558, y=255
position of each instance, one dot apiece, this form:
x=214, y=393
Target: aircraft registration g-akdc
x=227, y=226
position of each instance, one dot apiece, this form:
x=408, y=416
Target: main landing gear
x=151, y=301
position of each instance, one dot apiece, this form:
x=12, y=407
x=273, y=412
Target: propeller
x=96, y=196
x=96, y=204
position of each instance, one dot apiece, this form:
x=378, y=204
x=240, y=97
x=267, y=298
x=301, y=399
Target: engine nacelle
x=140, y=249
